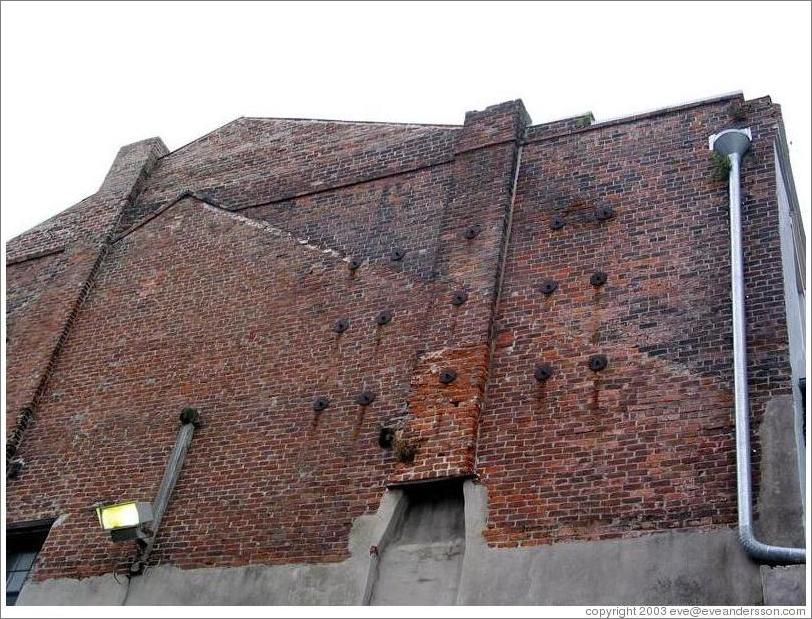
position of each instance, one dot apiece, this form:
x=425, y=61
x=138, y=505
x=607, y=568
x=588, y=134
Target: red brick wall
x=232, y=313
x=39, y=298
x=50, y=270
x=648, y=443
x=369, y=220
x=444, y=418
x=167, y=326
x=253, y=161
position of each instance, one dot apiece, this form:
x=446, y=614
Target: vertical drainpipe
x=733, y=143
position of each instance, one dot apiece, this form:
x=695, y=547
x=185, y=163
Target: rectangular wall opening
x=421, y=561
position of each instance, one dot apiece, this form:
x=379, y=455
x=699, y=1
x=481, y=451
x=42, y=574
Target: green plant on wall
x=721, y=167
x=405, y=447
x=737, y=112
x=584, y=120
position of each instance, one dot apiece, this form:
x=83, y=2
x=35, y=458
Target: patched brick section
x=648, y=443
x=481, y=197
x=443, y=418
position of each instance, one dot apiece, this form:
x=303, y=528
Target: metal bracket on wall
x=604, y=213
x=397, y=254
x=598, y=363
x=458, y=298
x=448, y=376
x=365, y=398
x=384, y=317
x=189, y=419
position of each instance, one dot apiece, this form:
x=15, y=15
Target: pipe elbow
x=766, y=552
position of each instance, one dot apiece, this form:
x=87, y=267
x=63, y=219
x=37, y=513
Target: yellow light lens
x=118, y=515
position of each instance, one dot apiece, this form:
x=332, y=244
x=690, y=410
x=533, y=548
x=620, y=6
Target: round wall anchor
x=598, y=278
x=341, y=325
x=320, y=403
x=365, y=398
x=603, y=213
x=598, y=363
x=557, y=222
x=549, y=286
x=190, y=415
x=543, y=371
x=397, y=254
x=385, y=437
x=448, y=376
x=384, y=317
x=471, y=232
x=354, y=264
x=459, y=297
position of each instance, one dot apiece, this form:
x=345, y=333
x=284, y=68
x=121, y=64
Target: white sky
x=80, y=80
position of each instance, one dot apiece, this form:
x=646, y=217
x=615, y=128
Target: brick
x=211, y=277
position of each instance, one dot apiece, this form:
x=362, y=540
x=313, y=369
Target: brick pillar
x=124, y=181
x=443, y=418
x=85, y=247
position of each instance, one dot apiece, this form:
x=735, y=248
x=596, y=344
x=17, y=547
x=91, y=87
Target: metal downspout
x=733, y=143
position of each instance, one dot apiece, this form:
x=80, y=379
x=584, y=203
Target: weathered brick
x=212, y=276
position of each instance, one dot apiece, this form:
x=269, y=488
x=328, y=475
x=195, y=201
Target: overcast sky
x=80, y=80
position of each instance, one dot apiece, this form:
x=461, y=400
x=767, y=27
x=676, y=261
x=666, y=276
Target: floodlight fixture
x=125, y=520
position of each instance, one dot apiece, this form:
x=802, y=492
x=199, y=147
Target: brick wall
x=267, y=479
x=647, y=443
x=254, y=161
x=50, y=270
x=228, y=303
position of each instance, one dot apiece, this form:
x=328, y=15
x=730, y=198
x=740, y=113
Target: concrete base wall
x=784, y=585
x=779, y=504
x=669, y=568
x=679, y=567
x=347, y=582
